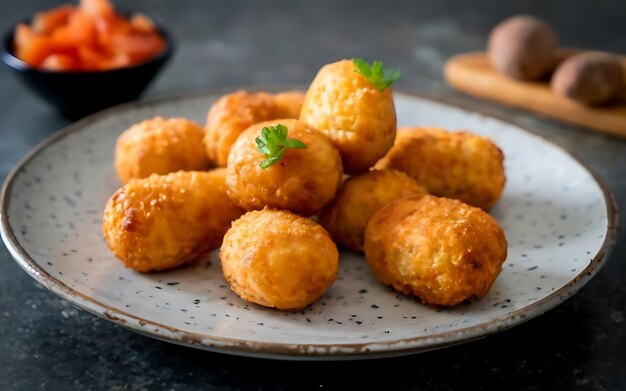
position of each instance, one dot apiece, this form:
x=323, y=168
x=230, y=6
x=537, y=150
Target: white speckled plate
x=560, y=223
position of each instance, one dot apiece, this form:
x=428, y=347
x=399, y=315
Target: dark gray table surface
x=45, y=343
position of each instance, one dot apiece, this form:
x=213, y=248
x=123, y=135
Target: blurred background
x=45, y=343
x=250, y=42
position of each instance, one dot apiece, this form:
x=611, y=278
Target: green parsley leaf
x=293, y=143
x=378, y=76
x=273, y=143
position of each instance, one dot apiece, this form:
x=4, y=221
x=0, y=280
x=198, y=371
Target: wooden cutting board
x=473, y=74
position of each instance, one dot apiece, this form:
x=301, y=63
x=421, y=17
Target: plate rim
x=317, y=351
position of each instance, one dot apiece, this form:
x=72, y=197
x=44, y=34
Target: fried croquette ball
x=233, y=113
x=303, y=181
x=162, y=222
x=289, y=104
x=278, y=259
x=438, y=249
x=358, y=118
x=160, y=146
x=459, y=165
x=346, y=217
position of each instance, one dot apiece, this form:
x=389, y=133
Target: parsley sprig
x=274, y=142
x=378, y=76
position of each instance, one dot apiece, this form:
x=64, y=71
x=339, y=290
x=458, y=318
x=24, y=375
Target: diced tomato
x=139, y=47
x=141, y=23
x=102, y=14
x=35, y=50
x=88, y=37
x=118, y=60
x=82, y=29
x=61, y=62
x=98, y=9
x=62, y=38
x=91, y=57
x=79, y=32
x=46, y=22
x=97, y=59
x=23, y=35
x=108, y=32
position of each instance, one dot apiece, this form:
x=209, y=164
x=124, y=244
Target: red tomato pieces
x=87, y=37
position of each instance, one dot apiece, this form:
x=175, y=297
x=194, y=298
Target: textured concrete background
x=47, y=344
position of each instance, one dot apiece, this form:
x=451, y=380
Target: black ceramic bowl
x=76, y=94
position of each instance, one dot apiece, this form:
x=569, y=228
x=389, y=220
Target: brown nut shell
x=523, y=47
x=592, y=78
